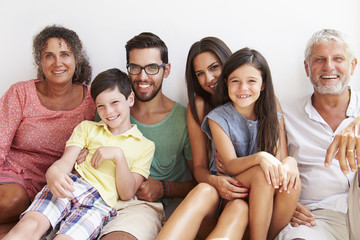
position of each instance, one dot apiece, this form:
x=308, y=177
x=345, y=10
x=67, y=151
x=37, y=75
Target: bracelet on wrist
x=164, y=188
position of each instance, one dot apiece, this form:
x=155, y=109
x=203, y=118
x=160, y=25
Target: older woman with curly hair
x=38, y=117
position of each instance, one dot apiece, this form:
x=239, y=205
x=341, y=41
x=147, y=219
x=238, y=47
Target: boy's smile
x=114, y=110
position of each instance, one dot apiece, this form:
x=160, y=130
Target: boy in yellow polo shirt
x=118, y=162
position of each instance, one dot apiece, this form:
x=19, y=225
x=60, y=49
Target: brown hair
x=83, y=69
x=222, y=52
x=265, y=106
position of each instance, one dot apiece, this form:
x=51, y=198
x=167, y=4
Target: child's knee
x=34, y=222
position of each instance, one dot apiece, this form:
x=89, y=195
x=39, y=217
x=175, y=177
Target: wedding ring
x=349, y=150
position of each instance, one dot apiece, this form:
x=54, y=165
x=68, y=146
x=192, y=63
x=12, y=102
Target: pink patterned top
x=32, y=137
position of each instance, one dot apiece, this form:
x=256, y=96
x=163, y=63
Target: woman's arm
x=11, y=108
x=227, y=187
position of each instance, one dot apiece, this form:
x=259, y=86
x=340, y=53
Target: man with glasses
x=163, y=121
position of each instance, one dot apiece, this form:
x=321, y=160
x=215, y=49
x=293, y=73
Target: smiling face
x=329, y=67
x=145, y=86
x=244, y=87
x=58, y=61
x=207, y=69
x=114, y=109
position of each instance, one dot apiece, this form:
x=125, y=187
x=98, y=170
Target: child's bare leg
x=233, y=221
x=31, y=226
x=185, y=221
x=284, y=207
x=63, y=237
x=261, y=198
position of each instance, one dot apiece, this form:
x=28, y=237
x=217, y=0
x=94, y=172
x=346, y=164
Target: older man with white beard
x=312, y=123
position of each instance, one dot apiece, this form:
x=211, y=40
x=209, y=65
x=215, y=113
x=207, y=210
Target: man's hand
x=82, y=155
x=344, y=146
x=302, y=216
x=150, y=190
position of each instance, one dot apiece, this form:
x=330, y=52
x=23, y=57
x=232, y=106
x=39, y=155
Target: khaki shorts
x=139, y=218
x=354, y=208
x=330, y=225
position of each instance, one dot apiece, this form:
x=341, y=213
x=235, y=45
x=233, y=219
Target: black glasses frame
x=144, y=68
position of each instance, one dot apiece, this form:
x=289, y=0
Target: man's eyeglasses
x=151, y=69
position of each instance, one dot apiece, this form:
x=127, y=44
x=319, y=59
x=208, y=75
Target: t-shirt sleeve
x=143, y=163
x=218, y=117
x=78, y=136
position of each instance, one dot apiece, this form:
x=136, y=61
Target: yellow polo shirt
x=137, y=149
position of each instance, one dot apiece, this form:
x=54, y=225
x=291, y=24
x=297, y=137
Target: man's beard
x=331, y=89
x=147, y=98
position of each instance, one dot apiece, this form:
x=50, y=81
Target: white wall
x=278, y=29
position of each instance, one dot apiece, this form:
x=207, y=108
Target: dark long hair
x=222, y=52
x=265, y=106
x=83, y=69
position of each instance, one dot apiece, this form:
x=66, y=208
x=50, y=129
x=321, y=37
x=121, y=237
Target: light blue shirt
x=242, y=132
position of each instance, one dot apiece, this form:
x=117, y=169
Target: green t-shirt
x=172, y=145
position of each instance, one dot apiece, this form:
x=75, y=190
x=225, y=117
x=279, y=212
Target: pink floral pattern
x=32, y=137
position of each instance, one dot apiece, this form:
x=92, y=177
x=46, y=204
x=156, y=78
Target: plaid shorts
x=81, y=217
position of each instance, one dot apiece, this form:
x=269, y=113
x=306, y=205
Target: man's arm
x=152, y=190
x=344, y=147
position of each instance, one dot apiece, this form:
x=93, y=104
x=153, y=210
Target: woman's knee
x=239, y=206
x=13, y=197
x=204, y=189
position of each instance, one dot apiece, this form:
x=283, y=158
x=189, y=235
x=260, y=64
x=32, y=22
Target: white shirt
x=308, y=137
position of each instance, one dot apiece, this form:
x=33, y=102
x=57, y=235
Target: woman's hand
x=273, y=169
x=291, y=173
x=229, y=188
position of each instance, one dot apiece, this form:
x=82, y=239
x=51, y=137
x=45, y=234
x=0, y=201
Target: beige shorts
x=139, y=218
x=354, y=208
x=330, y=225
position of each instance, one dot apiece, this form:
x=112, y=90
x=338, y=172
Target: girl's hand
x=292, y=179
x=229, y=188
x=273, y=169
x=59, y=183
x=106, y=153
